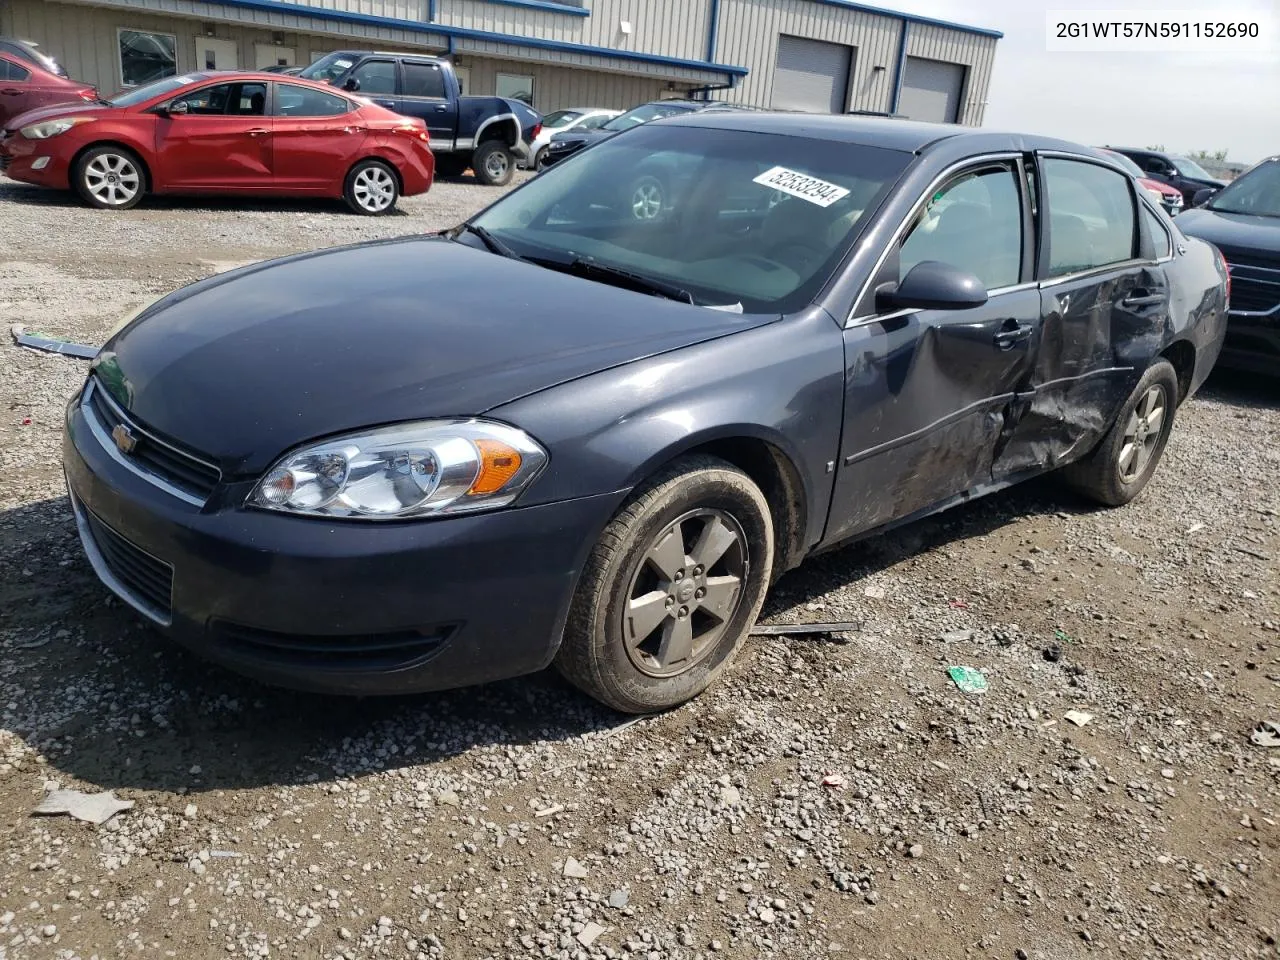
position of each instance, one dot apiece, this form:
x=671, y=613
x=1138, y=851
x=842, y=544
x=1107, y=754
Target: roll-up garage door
x=811, y=75
x=931, y=90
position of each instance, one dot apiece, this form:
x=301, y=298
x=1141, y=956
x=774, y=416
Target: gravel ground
x=828, y=798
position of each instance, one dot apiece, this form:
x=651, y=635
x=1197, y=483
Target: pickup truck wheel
x=493, y=163
x=371, y=188
x=671, y=588
x=1124, y=462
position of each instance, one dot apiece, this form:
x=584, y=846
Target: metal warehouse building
x=825, y=55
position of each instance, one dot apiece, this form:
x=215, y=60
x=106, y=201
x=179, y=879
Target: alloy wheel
x=646, y=200
x=685, y=590
x=374, y=188
x=112, y=179
x=1142, y=435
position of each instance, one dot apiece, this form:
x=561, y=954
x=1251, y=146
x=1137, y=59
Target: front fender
x=782, y=383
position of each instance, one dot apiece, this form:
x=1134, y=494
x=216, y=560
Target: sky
x=1182, y=101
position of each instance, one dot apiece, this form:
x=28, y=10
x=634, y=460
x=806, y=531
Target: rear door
x=15, y=89
x=222, y=142
x=318, y=136
x=1104, y=303
x=927, y=391
x=423, y=94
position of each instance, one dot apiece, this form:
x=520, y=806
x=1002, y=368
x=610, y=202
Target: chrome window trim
x=99, y=564
x=908, y=311
x=100, y=433
x=896, y=236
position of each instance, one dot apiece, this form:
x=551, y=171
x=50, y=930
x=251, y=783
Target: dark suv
x=1180, y=172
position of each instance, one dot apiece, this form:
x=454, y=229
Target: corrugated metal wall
x=557, y=87
x=748, y=35
x=976, y=52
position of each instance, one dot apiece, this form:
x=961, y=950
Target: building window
x=145, y=57
x=514, y=86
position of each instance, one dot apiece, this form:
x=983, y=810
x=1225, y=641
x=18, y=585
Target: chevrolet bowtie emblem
x=124, y=438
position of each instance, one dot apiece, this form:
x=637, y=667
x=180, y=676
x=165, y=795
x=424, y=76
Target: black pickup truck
x=487, y=134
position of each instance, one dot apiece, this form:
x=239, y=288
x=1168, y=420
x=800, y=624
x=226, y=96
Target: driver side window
x=973, y=223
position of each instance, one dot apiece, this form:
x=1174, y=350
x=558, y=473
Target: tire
x=646, y=199
x=371, y=188
x=109, y=178
x=655, y=655
x=537, y=160
x=494, y=165
x=1123, y=463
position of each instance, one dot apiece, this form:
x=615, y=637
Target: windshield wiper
x=491, y=242
x=590, y=269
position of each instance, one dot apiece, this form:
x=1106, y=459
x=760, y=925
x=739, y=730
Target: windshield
x=643, y=114
x=561, y=118
x=1256, y=192
x=1189, y=168
x=329, y=68
x=744, y=221
x=143, y=94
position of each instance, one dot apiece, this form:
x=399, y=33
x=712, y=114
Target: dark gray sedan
x=566, y=432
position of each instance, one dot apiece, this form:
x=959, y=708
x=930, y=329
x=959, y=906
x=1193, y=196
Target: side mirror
x=352, y=85
x=1203, y=196
x=177, y=109
x=931, y=285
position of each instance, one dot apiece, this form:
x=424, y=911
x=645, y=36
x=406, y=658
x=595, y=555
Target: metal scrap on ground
x=778, y=629
x=51, y=345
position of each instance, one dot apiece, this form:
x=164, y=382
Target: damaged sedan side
x=833, y=325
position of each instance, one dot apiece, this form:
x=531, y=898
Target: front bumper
x=19, y=158
x=352, y=608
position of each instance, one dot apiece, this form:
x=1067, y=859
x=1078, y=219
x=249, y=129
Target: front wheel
x=671, y=589
x=493, y=163
x=371, y=188
x=1124, y=462
x=109, y=178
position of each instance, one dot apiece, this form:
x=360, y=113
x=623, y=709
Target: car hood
x=243, y=366
x=1233, y=231
x=75, y=108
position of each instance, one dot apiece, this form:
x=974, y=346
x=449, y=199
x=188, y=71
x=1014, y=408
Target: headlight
x=51, y=128
x=425, y=469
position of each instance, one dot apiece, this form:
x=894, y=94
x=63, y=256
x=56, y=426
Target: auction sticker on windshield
x=802, y=185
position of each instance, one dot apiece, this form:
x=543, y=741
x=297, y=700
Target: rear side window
x=974, y=223
x=1092, y=222
x=422, y=79
x=11, y=71
x=296, y=101
x=1160, y=239
x=376, y=77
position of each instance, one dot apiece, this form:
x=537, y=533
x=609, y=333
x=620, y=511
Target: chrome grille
x=180, y=472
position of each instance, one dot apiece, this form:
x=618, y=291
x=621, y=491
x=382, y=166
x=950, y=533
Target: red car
x=223, y=133
x=25, y=86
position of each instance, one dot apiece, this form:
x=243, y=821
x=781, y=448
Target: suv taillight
x=537, y=129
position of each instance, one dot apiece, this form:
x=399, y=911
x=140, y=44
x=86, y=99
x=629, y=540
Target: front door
x=221, y=142
x=317, y=136
x=927, y=391
x=423, y=95
x=212, y=54
x=1105, y=305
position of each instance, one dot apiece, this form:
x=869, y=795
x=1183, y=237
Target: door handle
x=1141, y=298
x=442, y=108
x=258, y=131
x=10, y=92
x=1012, y=333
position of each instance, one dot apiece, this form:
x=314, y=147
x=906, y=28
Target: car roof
x=912, y=136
